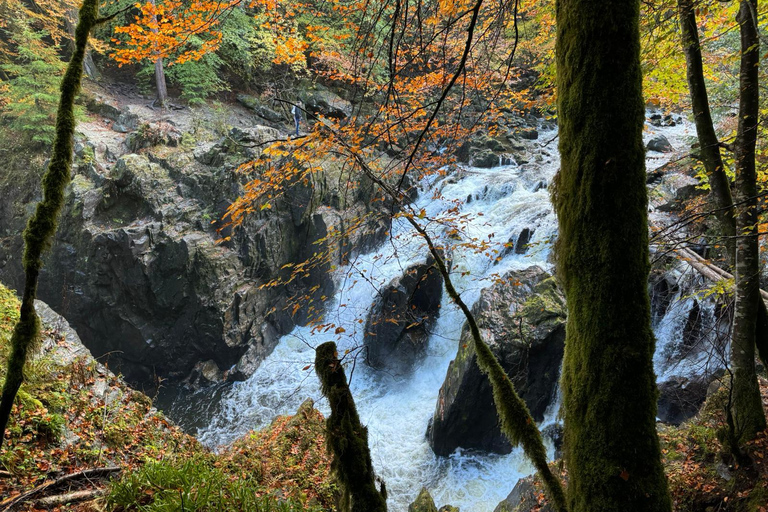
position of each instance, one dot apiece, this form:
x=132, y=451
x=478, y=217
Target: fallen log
x=85, y=475
x=708, y=270
x=72, y=497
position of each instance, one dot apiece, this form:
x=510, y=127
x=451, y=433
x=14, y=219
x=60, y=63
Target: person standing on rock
x=296, y=111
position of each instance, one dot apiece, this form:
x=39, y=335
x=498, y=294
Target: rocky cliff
x=136, y=266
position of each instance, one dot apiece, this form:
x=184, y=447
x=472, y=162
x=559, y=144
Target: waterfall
x=502, y=202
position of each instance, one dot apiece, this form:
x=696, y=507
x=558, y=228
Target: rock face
x=137, y=270
x=323, y=102
x=398, y=324
x=523, y=322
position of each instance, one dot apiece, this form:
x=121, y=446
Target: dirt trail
x=205, y=122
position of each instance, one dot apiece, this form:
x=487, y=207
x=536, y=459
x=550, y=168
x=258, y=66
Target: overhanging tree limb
x=516, y=421
x=38, y=236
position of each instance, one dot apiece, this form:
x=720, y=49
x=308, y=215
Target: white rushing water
x=504, y=201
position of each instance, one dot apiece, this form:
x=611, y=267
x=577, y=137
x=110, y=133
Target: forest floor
x=73, y=415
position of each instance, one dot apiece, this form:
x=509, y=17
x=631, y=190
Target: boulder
x=521, y=245
x=522, y=319
x=398, y=324
x=160, y=133
x=525, y=497
x=328, y=104
x=204, y=374
x=680, y=398
x=261, y=110
x=484, y=158
x=671, y=190
x=660, y=144
x=102, y=107
x=556, y=434
x=126, y=122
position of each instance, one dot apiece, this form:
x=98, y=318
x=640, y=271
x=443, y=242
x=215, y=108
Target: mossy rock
x=423, y=503
x=522, y=319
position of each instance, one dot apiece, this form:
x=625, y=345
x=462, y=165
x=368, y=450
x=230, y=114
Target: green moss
x=423, y=502
x=347, y=438
x=609, y=389
x=545, y=304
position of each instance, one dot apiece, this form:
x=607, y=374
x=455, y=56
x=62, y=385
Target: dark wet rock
x=484, y=158
x=521, y=245
x=663, y=288
x=531, y=134
x=400, y=319
x=517, y=244
x=671, y=190
x=660, y=120
x=137, y=269
x=680, y=398
x=692, y=330
x=523, y=498
x=103, y=108
x=205, y=373
x=523, y=321
x=555, y=433
x=659, y=144
x=328, y=104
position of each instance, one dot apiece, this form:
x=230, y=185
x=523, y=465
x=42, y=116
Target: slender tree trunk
x=41, y=227
x=347, y=438
x=162, y=89
x=708, y=142
x=89, y=67
x=609, y=387
x=747, y=408
x=710, y=154
x=160, y=84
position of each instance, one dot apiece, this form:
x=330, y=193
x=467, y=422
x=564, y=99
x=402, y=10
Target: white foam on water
x=501, y=201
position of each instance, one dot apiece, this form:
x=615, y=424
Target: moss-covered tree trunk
x=347, y=438
x=710, y=154
x=41, y=227
x=746, y=405
x=609, y=390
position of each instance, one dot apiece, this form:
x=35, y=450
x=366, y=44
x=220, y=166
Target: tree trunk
x=609, y=389
x=347, y=438
x=705, y=130
x=41, y=227
x=160, y=84
x=710, y=154
x=162, y=89
x=746, y=405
